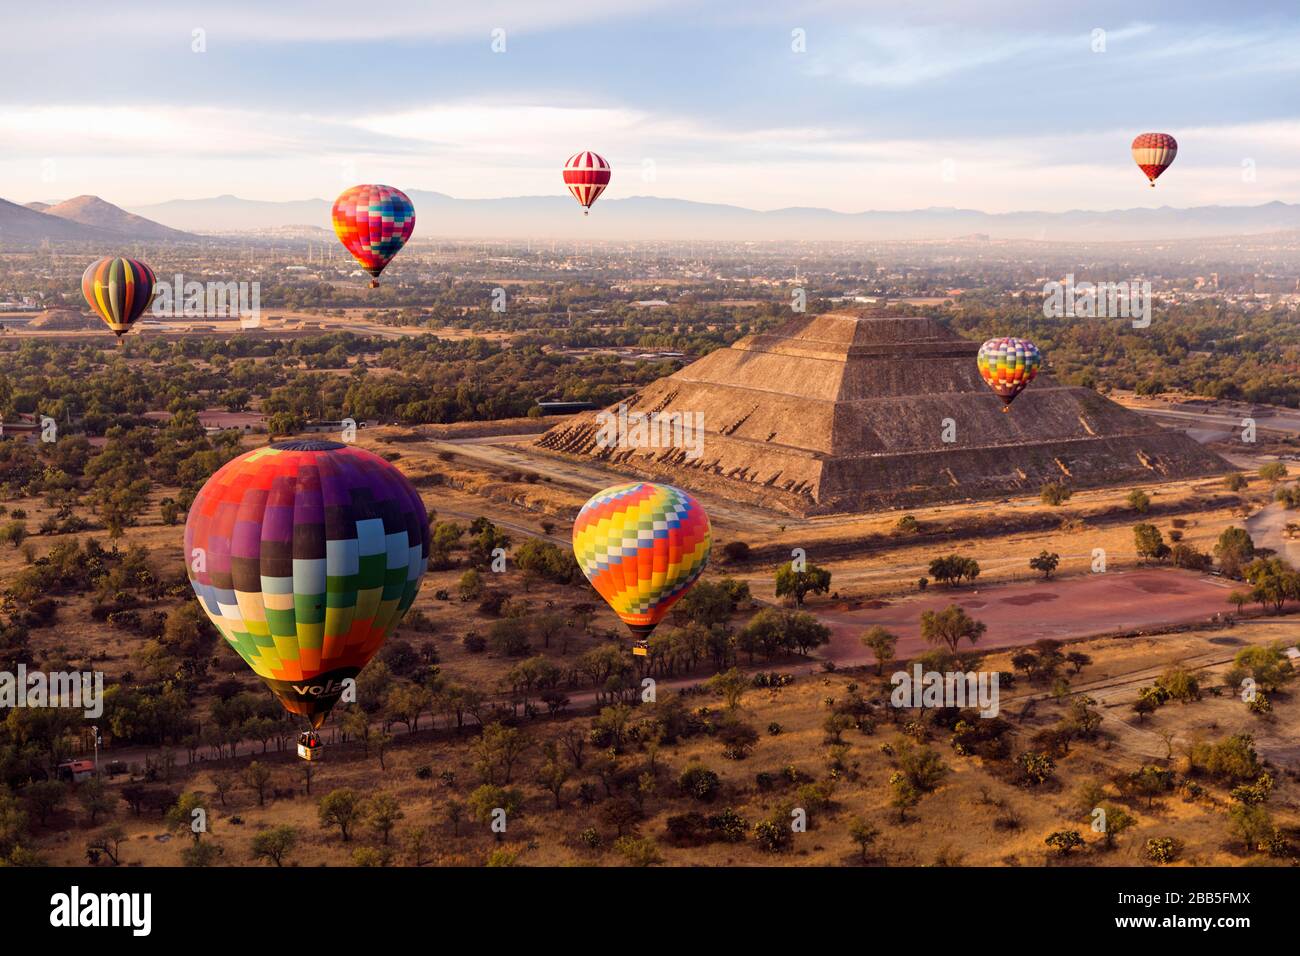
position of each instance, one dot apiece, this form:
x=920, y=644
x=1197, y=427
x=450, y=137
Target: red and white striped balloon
x=1154, y=152
x=586, y=174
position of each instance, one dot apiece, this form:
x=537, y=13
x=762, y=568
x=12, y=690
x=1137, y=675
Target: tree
x=44, y=797
x=798, y=584
x=383, y=811
x=257, y=777
x=554, y=772
x=1273, y=471
x=882, y=644
x=952, y=568
x=189, y=812
x=1054, y=493
x=1046, y=563
x=95, y=799
x=1234, y=550
x=1150, y=543
x=1251, y=824
x=497, y=750
x=416, y=842
x=1063, y=841
x=1117, y=821
x=1139, y=501
x=342, y=808
x=223, y=781
x=950, y=627
x=109, y=843
x=730, y=686
x=275, y=844
x=863, y=834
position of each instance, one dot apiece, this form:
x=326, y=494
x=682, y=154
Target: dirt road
x=1019, y=614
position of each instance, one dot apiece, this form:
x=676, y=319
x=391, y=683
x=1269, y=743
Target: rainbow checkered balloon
x=373, y=223
x=642, y=546
x=305, y=555
x=1008, y=365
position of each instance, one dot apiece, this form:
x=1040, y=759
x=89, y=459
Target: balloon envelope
x=305, y=555
x=1154, y=152
x=642, y=546
x=118, y=290
x=373, y=223
x=586, y=174
x=1008, y=365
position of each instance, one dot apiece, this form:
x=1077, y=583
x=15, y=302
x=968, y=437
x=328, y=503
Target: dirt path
x=1018, y=614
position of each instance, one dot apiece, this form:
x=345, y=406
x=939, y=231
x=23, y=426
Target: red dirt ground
x=1023, y=613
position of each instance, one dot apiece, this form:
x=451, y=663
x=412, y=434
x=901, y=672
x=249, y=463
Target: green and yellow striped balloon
x=118, y=290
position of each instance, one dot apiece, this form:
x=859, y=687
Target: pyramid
x=845, y=413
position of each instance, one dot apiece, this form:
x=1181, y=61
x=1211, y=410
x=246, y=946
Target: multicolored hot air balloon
x=1008, y=365
x=642, y=546
x=586, y=174
x=373, y=223
x=118, y=290
x=1154, y=152
x=305, y=555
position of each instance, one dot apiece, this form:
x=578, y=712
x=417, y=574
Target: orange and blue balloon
x=373, y=223
x=1008, y=365
x=642, y=546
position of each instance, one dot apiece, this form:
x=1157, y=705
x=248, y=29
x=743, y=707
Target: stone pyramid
x=843, y=413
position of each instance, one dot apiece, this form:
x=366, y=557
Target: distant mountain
x=647, y=217
x=37, y=206
x=20, y=224
x=95, y=212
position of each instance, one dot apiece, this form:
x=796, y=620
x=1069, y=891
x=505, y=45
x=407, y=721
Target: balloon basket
x=310, y=746
x=641, y=649
x=374, y=283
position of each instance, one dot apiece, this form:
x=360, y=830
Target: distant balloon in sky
x=305, y=555
x=642, y=546
x=373, y=223
x=586, y=174
x=1008, y=365
x=1154, y=153
x=118, y=290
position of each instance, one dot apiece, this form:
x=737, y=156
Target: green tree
x=1046, y=563
x=882, y=644
x=950, y=627
x=275, y=844
x=342, y=808
x=799, y=584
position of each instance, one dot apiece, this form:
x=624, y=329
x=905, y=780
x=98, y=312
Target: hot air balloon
x=1154, y=153
x=1008, y=365
x=118, y=290
x=305, y=555
x=642, y=546
x=586, y=174
x=373, y=223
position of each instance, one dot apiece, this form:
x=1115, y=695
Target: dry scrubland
x=976, y=815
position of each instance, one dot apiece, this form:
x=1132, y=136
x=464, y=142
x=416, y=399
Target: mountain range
x=647, y=217
x=638, y=217
x=82, y=218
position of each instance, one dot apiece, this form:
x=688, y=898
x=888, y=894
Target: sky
x=845, y=105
